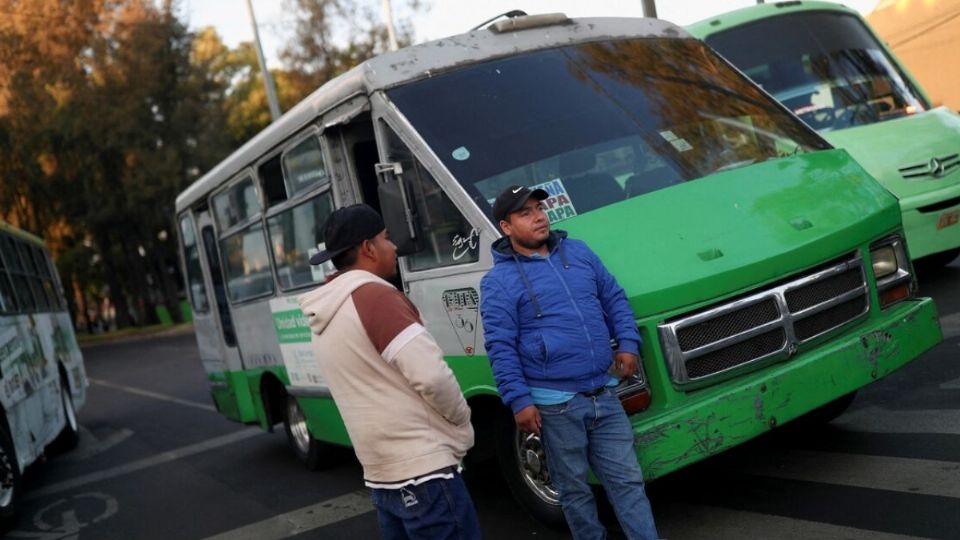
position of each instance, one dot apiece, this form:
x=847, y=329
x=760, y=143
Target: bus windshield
x=824, y=66
x=597, y=123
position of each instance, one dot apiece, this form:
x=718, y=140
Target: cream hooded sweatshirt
x=401, y=404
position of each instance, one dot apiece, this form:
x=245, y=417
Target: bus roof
x=20, y=233
x=739, y=17
x=420, y=61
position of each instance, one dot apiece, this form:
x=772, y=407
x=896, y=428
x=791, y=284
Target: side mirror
x=399, y=214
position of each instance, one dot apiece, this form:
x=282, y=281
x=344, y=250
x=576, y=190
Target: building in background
x=925, y=34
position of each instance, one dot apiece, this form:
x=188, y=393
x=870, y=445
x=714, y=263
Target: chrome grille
x=936, y=167
x=764, y=325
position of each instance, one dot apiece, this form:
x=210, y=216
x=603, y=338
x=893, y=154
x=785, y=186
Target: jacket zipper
x=573, y=301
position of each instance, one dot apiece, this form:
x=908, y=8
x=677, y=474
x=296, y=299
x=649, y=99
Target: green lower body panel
x=718, y=418
x=931, y=227
x=324, y=420
x=231, y=395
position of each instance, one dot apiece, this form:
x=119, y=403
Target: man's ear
x=505, y=227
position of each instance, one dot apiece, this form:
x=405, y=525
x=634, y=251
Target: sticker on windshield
x=679, y=143
x=558, y=205
x=461, y=154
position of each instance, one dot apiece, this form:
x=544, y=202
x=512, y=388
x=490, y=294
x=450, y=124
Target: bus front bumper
x=737, y=411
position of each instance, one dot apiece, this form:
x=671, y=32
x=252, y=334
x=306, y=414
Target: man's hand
x=625, y=364
x=528, y=420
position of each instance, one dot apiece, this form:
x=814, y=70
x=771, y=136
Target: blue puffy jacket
x=548, y=321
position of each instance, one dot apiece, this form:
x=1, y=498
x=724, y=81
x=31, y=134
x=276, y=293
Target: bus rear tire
x=524, y=467
x=313, y=453
x=70, y=435
x=9, y=480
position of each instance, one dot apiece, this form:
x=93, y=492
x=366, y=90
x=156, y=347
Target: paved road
x=156, y=461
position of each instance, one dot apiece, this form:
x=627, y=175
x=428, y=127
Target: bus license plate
x=948, y=218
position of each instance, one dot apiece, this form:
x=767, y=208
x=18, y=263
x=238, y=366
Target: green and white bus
x=767, y=270
x=825, y=63
x=42, y=378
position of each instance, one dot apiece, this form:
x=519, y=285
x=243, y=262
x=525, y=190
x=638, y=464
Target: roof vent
x=516, y=24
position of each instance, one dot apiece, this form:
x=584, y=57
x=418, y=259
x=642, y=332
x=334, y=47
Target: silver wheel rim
x=68, y=409
x=298, y=426
x=7, y=477
x=532, y=462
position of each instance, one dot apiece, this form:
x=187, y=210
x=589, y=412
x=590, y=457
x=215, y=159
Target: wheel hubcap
x=7, y=477
x=533, y=468
x=68, y=409
x=298, y=426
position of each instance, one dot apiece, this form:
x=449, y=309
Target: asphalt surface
x=156, y=461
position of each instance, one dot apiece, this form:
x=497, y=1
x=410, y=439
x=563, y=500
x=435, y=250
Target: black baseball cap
x=348, y=227
x=513, y=198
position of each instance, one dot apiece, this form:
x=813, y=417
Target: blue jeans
x=436, y=509
x=594, y=432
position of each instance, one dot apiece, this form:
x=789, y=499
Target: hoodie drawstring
x=563, y=255
x=526, y=283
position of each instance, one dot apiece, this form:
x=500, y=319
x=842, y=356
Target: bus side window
x=18, y=276
x=191, y=256
x=449, y=238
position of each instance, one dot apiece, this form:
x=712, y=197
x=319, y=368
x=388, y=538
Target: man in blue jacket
x=549, y=307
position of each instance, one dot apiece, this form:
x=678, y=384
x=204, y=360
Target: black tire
x=313, y=453
x=70, y=434
x=9, y=480
x=524, y=467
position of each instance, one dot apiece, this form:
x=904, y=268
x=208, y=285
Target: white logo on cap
x=517, y=190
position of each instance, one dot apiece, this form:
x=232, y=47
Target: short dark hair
x=346, y=259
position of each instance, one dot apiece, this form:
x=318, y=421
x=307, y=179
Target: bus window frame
x=300, y=198
x=191, y=216
x=247, y=173
x=385, y=113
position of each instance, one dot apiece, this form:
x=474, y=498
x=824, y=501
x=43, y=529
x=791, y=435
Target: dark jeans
x=593, y=433
x=437, y=509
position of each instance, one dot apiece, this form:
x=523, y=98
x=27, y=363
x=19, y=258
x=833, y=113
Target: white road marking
x=303, y=519
x=951, y=385
x=878, y=420
x=673, y=521
x=90, y=446
x=905, y=475
x=155, y=395
x=135, y=466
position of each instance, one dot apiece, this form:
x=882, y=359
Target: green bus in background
x=766, y=270
x=824, y=63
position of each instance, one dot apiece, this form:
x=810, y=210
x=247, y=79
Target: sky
x=443, y=17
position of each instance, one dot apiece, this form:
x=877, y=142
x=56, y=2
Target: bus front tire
x=70, y=434
x=9, y=480
x=310, y=451
x=524, y=467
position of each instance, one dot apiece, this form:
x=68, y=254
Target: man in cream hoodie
x=403, y=409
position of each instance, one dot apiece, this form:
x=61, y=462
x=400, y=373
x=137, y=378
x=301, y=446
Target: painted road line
x=90, y=446
x=139, y=465
x=303, y=519
x=673, y=521
x=154, y=395
x=904, y=475
x=878, y=420
x=951, y=385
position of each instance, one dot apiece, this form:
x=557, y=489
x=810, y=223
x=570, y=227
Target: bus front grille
x=765, y=326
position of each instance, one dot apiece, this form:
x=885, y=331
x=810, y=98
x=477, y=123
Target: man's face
x=528, y=226
x=384, y=255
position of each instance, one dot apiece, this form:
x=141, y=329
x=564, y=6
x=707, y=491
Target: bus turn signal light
x=636, y=402
x=894, y=294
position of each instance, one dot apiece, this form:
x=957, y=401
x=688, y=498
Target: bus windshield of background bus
x=597, y=123
x=825, y=67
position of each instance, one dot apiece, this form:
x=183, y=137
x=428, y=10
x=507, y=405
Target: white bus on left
x=42, y=379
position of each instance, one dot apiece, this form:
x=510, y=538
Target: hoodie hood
x=322, y=304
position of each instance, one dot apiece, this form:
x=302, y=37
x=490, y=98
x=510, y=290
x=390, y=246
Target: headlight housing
x=892, y=270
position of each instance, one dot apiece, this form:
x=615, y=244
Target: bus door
x=212, y=320
x=442, y=264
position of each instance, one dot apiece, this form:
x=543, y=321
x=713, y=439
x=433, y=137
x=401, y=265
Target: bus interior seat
x=587, y=189
x=652, y=180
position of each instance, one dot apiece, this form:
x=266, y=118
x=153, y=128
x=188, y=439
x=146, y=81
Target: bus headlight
x=892, y=270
